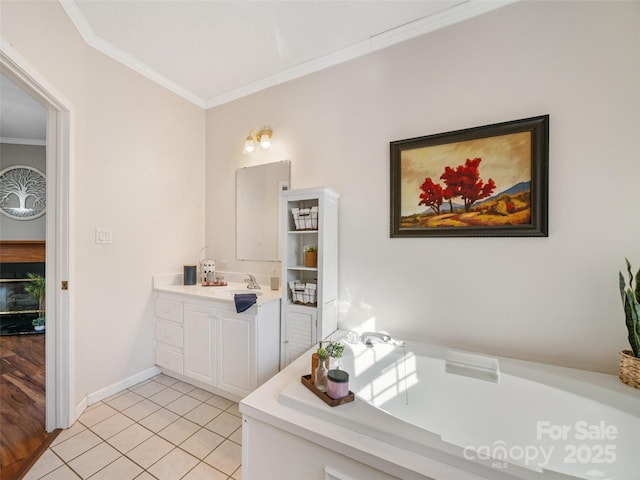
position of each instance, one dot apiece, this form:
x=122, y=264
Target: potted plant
x=334, y=351
x=310, y=256
x=630, y=359
x=36, y=288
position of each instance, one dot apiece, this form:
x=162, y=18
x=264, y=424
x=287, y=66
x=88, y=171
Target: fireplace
x=17, y=308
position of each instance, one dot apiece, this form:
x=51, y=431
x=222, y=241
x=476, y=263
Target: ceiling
x=212, y=52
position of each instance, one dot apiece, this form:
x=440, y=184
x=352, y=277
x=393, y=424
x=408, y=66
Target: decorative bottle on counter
x=321, y=377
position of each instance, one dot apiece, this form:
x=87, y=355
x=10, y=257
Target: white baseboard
x=121, y=385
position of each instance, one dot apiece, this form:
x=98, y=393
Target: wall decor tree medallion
x=23, y=192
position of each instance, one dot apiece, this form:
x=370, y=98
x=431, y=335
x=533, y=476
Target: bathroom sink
x=231, y=292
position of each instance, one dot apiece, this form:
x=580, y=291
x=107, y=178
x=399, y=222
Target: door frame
x=59, y=339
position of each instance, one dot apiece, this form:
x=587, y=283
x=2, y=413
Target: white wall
x=549, y=299
x=12, y=154
x=138, y=155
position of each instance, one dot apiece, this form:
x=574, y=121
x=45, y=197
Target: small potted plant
x=310, y=256
x=630, y=359
x=334, y=351
x=36, y=289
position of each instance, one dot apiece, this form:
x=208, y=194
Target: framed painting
x=489, y=181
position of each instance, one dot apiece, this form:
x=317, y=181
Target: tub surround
x=272, y=429
x=355, y=436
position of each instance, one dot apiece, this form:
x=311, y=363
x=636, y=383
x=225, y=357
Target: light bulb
x=264, y=137
x=249, y=144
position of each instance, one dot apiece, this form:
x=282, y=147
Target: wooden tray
x=306, y=381
x=214, y=284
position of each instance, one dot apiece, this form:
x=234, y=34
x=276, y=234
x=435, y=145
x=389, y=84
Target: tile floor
x=160, y=429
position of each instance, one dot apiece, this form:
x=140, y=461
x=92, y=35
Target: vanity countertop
x=225, y=293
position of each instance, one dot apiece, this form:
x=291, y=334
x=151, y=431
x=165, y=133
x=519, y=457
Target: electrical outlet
x=222, y=265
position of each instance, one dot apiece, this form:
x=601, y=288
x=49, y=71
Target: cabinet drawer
x=170, y=360
x=169, y=310
x=169, y=333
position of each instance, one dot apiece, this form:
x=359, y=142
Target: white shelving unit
x=303, y=320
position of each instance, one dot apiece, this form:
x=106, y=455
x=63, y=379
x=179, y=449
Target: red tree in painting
x=431, y=195
x=465, y=182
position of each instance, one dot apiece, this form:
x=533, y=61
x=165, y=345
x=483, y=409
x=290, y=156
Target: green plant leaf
x=632, y=317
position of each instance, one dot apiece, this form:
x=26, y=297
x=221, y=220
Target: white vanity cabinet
x=200, y=335
x=205, y=342
x=169, y=335
x=309, y=218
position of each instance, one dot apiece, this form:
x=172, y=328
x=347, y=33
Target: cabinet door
x=237, y=372
x=299, y=331
x=200, y=333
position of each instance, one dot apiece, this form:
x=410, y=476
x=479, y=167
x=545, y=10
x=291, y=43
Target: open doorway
x=23, y=159
x=59, y=401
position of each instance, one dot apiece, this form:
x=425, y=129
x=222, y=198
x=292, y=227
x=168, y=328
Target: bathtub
x=497, y=417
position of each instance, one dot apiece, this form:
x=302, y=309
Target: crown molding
x=461, y=11
x=97, y=42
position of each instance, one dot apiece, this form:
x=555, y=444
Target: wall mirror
x=258, y=210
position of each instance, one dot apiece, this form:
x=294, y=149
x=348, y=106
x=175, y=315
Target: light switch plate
x=104, y=236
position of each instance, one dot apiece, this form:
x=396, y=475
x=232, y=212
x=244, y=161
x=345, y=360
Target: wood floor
x=22, y=402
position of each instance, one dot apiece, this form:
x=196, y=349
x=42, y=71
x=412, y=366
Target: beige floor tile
x=150, y=451
x=145, y=476
x=224, y=424
x=200, y=394
x=236, y=436
x=173, y=465
x=121, y=469
x=219, y=402
x=158, y=420
x=202, y=443
x=200, y=431
x=205, y=472
x=97, y=414
x=165, y=396
x=124, y=401
x=76, y=445
x=226, y=458
x=148, y=389
x=62, y=473
x=93, y=460
x=183, y=387
x=237, y=475
x=234, y=410
x=178, y=431
x=47, y=463
x=203, y=414
x=140, y=410
x=112, y=425
x=130, y=438
x=183, y=404
x=74, y=429
x=165, y=379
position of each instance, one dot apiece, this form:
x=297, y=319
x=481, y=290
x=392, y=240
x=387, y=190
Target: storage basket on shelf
x=304, y=293
x=305, y=218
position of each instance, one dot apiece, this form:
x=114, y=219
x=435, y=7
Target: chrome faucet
x=252, y=283
x=367, y=336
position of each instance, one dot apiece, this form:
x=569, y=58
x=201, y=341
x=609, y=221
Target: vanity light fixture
x=249, y=143
x=263, y=138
